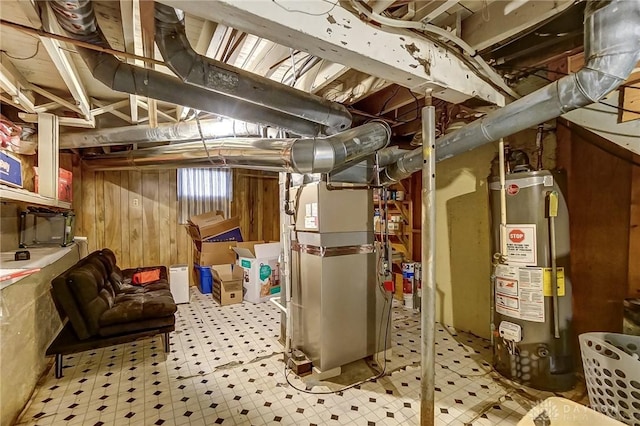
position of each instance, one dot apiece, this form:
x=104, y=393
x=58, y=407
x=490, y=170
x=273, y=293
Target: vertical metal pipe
x=428, y=235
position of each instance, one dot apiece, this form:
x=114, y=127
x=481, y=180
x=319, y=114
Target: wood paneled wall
x=135, y=214
x=634, y=233
x=599, y=197
x=256, y=200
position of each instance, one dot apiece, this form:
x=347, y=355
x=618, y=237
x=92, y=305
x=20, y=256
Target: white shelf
x=8, y=193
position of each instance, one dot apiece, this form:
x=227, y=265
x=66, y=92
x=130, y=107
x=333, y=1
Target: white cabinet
x=179, y=282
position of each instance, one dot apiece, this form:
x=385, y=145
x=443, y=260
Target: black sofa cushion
x=93, y=299
x=139, y=306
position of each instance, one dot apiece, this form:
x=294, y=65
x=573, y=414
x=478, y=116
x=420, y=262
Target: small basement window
x=203, y=190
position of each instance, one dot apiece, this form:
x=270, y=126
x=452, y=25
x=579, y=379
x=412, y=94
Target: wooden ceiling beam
x=339, y=36
x=16, y=86
x=6, y=98
x=109, y=107
x=63, y=61
x=352, y=87
x=145, y=106
x=114, y=111
x=320, y=75
x=430, y=10
x=63, y=121
x=132, y=44
x=507, y=19
x=148, y=28
x=206, y=34
x=63, y=102
x=388, y=99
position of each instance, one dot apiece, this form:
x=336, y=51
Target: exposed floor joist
x=507, y=19
x=148, y=31
x=64, y=64
x=337, y=35
x=428, y=11
x=55, y=98
x=62, y=121
x=132, y=44
x=16, y=86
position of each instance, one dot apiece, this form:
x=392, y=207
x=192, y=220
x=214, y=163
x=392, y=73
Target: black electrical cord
x=26, y=57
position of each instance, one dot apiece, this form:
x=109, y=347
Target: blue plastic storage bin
x=205, y=282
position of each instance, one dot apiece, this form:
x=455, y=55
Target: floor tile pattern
x=225, y=367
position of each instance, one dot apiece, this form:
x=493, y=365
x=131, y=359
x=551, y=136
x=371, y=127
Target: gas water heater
x=531, y=286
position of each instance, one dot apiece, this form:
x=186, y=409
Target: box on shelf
x=65, y=184
x=10, y=170
x=261, y=275
x=227, y=284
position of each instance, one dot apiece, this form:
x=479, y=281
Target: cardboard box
x=261, y=275
x=10, y=170
x=227, y=284
x=214, y=253
x=213, y=227
x=65, y=184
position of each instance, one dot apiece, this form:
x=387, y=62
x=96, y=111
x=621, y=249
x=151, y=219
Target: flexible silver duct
x=313, y=155
x=183, y=131
x=225, y=79
x=612, y=49
x=78, y=19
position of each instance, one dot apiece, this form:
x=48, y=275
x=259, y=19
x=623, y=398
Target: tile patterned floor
x=225, y=367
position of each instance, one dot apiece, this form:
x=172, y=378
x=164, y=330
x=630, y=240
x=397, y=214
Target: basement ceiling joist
x=335, y=34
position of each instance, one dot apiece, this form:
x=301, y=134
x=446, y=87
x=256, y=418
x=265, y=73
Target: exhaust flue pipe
x=612, y=49
x=225, y=79
x=77, y=18
x=183, y=131
x=312, y=155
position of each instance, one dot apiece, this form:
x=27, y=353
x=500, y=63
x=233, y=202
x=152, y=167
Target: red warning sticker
x=513, y=189
x=516, y=236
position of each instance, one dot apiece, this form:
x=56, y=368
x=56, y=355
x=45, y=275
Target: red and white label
x=516, y=236
x=513, y=189
x=521, y=244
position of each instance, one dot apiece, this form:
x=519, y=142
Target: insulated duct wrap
x=183, y=131
x=316, y=155
x=77, y=18
x=612, y=49
x=223, y=78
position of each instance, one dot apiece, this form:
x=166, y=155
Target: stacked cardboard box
x=213, y=238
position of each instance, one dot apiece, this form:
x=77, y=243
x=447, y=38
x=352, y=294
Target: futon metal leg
x=165, y=341
x=58, y=366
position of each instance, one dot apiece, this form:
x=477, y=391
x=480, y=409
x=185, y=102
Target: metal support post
x=428, y=235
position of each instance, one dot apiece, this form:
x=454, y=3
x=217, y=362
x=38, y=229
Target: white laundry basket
x=612, y=372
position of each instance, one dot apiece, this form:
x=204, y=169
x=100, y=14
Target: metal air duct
x=183, y=131
x=612, y=49
x=78, y=19
x=312, y=155
x=225, y=79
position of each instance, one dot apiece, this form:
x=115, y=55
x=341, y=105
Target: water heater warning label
x=519, y=292
x=522, y=244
